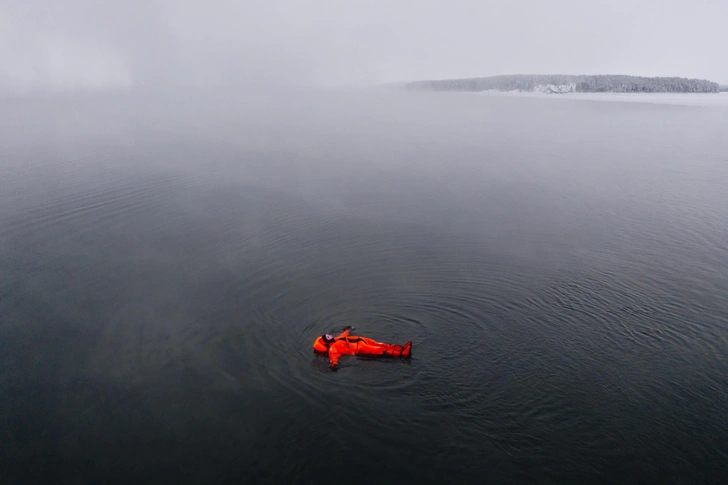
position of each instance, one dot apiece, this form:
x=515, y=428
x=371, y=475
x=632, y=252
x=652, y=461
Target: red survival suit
x=345, y=344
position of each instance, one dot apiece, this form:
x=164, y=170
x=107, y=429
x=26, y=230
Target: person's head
x=323, y=343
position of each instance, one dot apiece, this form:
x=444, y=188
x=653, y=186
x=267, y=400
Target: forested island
x=603, y=83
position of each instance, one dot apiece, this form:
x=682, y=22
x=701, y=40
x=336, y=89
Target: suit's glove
x=334, y=367
x=348, y=327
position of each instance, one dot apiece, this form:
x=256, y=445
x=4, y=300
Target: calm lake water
x=561, y=266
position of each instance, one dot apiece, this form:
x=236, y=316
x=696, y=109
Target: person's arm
x=345, y=333
x=334, y=357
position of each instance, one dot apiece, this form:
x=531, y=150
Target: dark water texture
x=561, y=267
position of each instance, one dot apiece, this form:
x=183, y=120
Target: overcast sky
x=61, y=44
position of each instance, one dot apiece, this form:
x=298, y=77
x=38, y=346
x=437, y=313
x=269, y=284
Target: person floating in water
x=345, y=344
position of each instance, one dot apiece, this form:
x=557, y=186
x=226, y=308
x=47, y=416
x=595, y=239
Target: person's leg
x=402, y=351
x=370, y=347
x=367, y=346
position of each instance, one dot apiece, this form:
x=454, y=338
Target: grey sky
x=60, y=44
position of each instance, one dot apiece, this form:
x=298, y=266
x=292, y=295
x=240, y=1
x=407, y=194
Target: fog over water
x=85, y=44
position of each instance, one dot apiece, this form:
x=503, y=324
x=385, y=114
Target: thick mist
x=83, y=44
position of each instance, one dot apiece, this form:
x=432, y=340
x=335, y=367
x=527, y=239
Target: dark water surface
x=561, y=267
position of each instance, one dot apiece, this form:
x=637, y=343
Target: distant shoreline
x=562, y=84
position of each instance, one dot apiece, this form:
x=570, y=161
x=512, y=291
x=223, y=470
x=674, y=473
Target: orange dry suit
x=345, y=344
